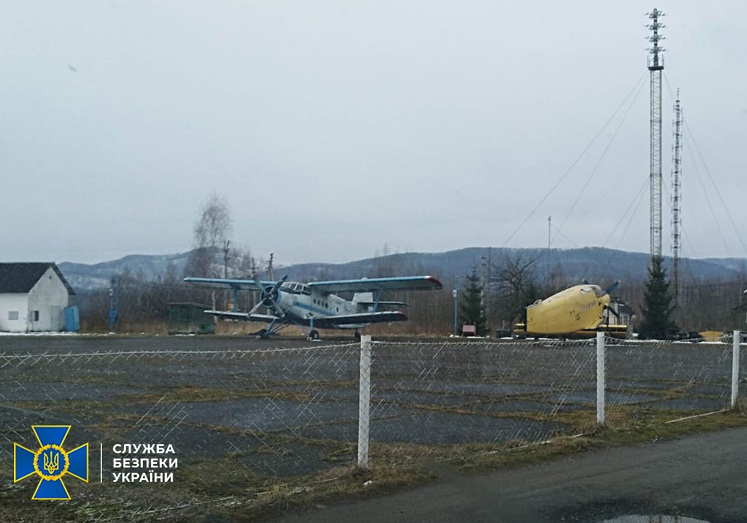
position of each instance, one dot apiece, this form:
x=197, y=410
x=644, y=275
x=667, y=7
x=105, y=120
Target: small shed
x=33, y=297
x=469, y=330
x=189, y=318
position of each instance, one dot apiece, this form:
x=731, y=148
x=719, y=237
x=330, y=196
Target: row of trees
x=499, y=301
x=142, y=303
x=711, y=305
x=491, y=297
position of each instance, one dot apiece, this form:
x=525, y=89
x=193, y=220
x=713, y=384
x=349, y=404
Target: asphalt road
x=701, y=477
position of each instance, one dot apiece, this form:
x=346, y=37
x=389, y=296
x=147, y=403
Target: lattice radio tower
x=655, y=66
x=676, y=197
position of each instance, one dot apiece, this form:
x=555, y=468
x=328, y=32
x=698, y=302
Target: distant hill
x=593, y=263
x=84, y=277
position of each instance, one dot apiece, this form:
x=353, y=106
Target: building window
x=35, y=316
x=13, y=315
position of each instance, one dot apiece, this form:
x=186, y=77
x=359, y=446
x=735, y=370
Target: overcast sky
x=340, y=130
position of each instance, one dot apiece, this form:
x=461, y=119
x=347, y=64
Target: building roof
x=19, y=278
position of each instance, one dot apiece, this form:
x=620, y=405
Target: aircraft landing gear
x=314, y=335
x=263, y=334
x=357, y=335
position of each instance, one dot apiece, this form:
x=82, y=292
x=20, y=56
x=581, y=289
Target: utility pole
x=226, y=245
x=549, y=238
x=114, y=303
x=655, y=67
x=486, y=292
x=270, y=274
x=676, y=198
x=455, y=295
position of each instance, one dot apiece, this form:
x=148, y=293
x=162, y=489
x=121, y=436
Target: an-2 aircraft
x=576, y=309
x=315, y=305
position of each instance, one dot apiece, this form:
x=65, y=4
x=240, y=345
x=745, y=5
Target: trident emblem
x=51, y=462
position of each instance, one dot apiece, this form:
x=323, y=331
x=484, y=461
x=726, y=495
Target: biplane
x=317, y=305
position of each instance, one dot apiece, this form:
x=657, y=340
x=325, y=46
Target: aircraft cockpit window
x=291, y=287
x=305, y=290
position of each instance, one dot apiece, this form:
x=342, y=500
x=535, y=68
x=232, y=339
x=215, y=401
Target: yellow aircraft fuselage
x=573, y=309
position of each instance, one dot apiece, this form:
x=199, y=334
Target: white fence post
x=600, y=378
x=735, y=368
x=364, y=401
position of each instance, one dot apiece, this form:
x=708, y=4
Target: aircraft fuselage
x=573, y=309
x=305, y=306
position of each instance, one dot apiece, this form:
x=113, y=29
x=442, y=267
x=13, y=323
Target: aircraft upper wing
x=220, y=283
x=402, y=283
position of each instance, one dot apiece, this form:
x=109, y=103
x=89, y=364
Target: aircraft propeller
x=612, y=287
x=609, y=292
x=269, y=295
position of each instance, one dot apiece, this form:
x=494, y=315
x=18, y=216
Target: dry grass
x=223, y=489
x=396, y=466
x=244, y=328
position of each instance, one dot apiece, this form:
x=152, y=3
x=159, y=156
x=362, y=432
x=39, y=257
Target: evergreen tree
x=658, y=306
x=472, y=309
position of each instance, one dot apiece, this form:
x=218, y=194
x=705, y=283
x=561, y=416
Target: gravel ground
x=289, y=408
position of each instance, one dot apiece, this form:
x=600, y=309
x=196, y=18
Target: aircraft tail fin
x=363, y=297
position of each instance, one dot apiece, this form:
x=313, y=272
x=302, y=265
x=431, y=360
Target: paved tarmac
x=703, y=477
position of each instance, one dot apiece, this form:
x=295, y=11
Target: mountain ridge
x=593, y=263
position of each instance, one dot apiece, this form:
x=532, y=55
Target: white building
x=33, y=297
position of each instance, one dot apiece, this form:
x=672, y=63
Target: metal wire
x=250, y=424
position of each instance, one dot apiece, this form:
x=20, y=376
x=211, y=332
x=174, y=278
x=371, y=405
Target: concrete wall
x=47, y=302
x=41, y=310
x=17, y=304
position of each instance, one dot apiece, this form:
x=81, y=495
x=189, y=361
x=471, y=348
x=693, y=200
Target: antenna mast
x=676, y=197
x=655, y=67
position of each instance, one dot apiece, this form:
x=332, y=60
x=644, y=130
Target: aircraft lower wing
x=229, y=315
x=359, y=319
x=320, y=321
x=402, y=283
x=400, y=304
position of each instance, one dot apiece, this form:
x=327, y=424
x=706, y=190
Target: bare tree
x=211, y=232
x=242, y=263
x=516, y=287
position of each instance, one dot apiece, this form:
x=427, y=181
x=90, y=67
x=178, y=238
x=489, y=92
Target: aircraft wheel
x=357, y=336
x=263, y=334
x=313, y=335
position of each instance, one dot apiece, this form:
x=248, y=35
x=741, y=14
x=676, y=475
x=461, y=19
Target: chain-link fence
x=441, y=394
x=250, y=425
x=240, y=423
x=669, y=381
